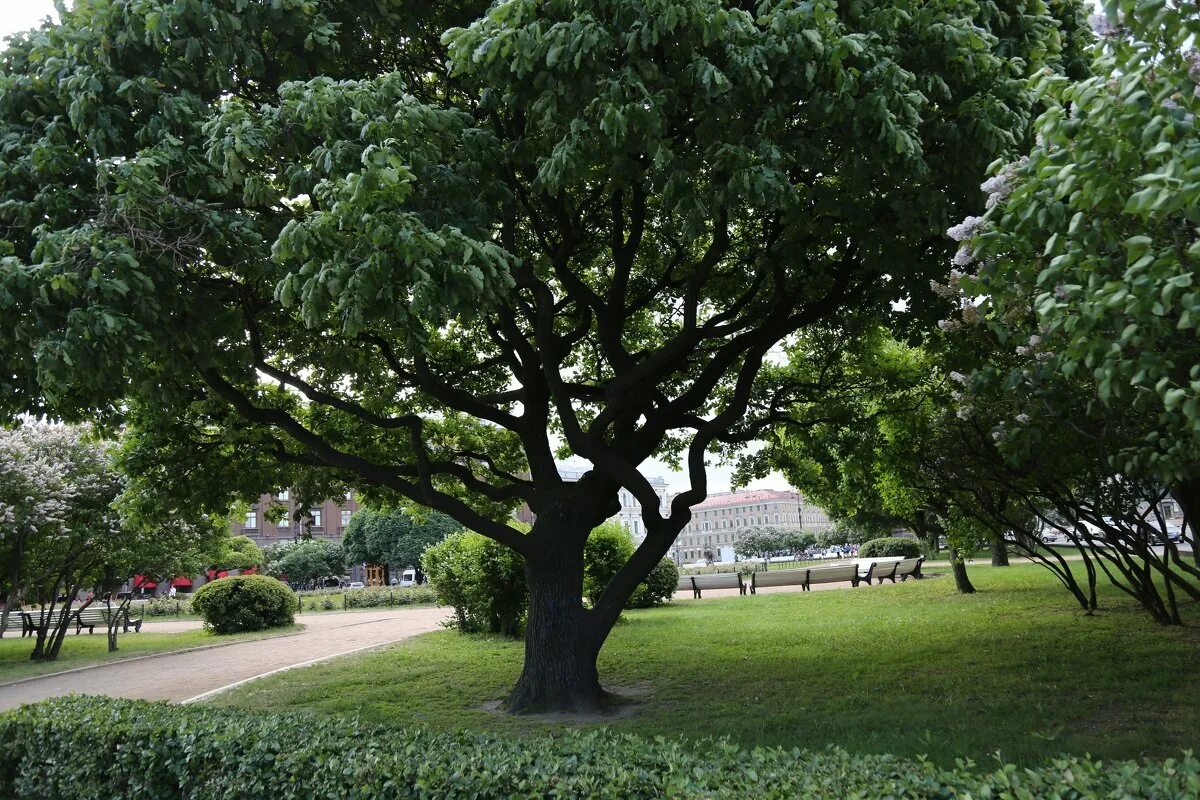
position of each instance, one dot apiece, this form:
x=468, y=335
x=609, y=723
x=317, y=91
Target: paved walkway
x=182, y=676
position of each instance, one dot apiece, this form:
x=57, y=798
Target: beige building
x=721, y=518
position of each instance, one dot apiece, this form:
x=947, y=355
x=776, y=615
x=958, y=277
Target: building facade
x=630, y=514
x=719, y=520
x=328, y=520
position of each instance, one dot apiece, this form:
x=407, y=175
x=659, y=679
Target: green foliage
x=244, y=603
x=225, y=751
x=657, y=588
x=387, y=598
x=607, y=549
x=890, y=546
x=396, y=537
x=304, y=561
x=415, y=248
x=482, y=580
x=238, y=552
x=1089, y=258
x=166, y=606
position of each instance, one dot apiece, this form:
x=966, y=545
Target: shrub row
x=70, y=748
x=166, y=607
x=890, y=546
x=383, y=598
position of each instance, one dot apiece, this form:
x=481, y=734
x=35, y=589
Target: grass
x=86, y=650
x=909, y=669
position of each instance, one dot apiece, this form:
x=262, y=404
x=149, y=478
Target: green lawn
x=908, y=669
x=85, y=649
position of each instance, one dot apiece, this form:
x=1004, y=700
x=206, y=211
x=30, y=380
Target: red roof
x=746, y=497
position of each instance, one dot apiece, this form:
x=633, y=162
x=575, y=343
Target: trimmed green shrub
x=63, y=748
x=607, y=549
x=165, y=607
x=658, y=587
x=245, y=603
x=385, y=598
x=890, y=546
x=482, y=580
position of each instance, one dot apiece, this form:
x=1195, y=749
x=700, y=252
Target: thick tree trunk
x=999, y=552
x=562, y=639
x=961, y=581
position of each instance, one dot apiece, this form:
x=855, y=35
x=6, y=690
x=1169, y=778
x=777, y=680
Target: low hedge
x=890, y=546
x=245, y=603
x=166, y=607
x=93, y=747
x=384, y=598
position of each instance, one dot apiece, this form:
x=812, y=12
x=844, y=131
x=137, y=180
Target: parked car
x=408, y=577
x=356, y=585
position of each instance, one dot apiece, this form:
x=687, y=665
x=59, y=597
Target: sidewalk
x=181, y=676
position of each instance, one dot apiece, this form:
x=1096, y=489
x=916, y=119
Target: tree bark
x=562, y=639
x=1187, y=495
x=999, y=552
x=961, y=581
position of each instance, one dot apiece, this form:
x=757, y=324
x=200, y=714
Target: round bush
x=890, y=546
x=245, y=603
x=658, y=587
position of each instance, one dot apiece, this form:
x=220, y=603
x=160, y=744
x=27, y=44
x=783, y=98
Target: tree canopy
x=324, y=244
x=304, y=561
x=395, y=537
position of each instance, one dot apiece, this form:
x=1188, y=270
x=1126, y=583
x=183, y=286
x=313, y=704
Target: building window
x=345, y=518
x=315, y=513
x=252, y=519
x=285, y=523
x=706, y=526
x=283, y=494
x=777, y=518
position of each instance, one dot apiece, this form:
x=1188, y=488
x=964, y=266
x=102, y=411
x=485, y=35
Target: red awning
x=181, y=582
x=140, y=582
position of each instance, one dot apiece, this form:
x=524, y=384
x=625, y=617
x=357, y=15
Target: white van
x=408, y=577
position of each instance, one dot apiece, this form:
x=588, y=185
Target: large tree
x=323, y=244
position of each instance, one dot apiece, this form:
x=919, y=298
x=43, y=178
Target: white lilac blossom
x=1193, y=65
x=965, y=229
x=963, y=413
x=1022, y=350
x=958, y=377
x=1022, y=418
x=949, y=325
x=971, y=315
x=1035, y=340
x=964, y=257
x=943, y=290
x=1101, y=25
x=999, y=435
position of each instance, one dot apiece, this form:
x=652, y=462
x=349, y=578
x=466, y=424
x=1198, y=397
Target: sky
x=19, y=15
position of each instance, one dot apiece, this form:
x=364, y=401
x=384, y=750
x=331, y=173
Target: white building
x=630, y=514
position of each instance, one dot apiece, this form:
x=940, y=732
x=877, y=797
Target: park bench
x=779, y=577
x=805, y=578
x=718, y=580
x=32, y=620
x=909, y=567
x=879, y=568
x=92, y=616
x=15, y=620
x=685, y=584
x=834, y=573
